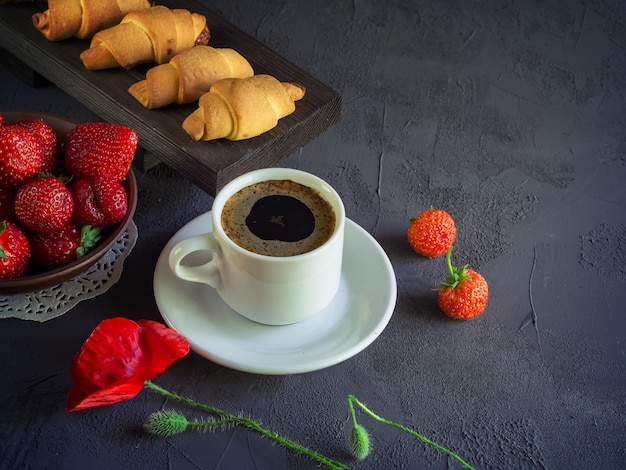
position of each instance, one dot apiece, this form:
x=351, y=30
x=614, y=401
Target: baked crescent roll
x=241, y=108
x=83, y=18
x=152, y=35
x=189, y=75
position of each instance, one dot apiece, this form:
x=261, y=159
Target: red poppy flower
x=118, y=357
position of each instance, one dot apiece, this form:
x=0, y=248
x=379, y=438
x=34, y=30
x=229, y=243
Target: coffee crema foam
x=246, y=212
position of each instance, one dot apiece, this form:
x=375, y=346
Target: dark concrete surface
x=510, y=115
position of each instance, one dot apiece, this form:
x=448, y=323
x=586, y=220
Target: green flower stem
x=352, y=399
x=351, y=408
x=227, y=418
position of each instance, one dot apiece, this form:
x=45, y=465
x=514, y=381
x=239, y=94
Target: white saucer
x=360, y=312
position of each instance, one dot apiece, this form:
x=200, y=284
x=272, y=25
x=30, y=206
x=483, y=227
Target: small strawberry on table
x=464, y=293
x=432, y=233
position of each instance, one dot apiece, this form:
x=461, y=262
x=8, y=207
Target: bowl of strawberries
x=67, y=195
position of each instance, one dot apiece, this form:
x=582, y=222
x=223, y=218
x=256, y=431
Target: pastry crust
x=64, y=19
x=238, y=109
x=152, y=35
x=188, y=75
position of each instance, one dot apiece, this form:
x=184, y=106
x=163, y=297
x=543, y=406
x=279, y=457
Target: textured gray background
x=511, y=116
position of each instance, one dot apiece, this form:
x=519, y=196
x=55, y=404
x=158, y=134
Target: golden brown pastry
x=152, y=35
x=83, y=18
x=240, y=108
x=189, y=75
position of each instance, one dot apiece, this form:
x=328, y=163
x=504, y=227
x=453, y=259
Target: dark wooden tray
x=210, y=165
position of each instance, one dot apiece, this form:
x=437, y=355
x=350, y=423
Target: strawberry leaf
x=456, y=274
x=89, y=239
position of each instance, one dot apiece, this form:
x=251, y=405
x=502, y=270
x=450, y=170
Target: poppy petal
x=118, y=357
x=79, y=399
x=163, y=345
x=111, y=353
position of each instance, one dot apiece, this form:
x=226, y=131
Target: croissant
x=240, y=108
x=189, y=75
x=152, y=35
x=83, y=18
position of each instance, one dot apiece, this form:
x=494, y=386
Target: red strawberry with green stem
x=99, y=201
x=44, y=205
x=464, y=294
x=14, y=251
x=20, y=156
x=432, y=233
x=53, y=250
x=47, y=138
x=99, y=149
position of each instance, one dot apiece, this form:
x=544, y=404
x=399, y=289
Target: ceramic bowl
x=38, y=281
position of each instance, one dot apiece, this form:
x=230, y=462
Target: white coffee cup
x=272, y=290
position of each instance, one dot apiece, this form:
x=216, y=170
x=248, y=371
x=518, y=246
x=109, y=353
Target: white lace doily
x=53, y=302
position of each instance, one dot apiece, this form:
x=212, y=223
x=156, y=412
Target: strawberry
x=47, y=138
x=99, y=148
x=52, y=250
x=44, y=205
x=432, y=233
x=20, y=156
x=99, y=201
x=464, y=293
x=7, y=204
x=14, y=251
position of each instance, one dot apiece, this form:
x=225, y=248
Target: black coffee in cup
x=278, y=218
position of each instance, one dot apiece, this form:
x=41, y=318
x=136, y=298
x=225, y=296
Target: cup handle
x=207, y=273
